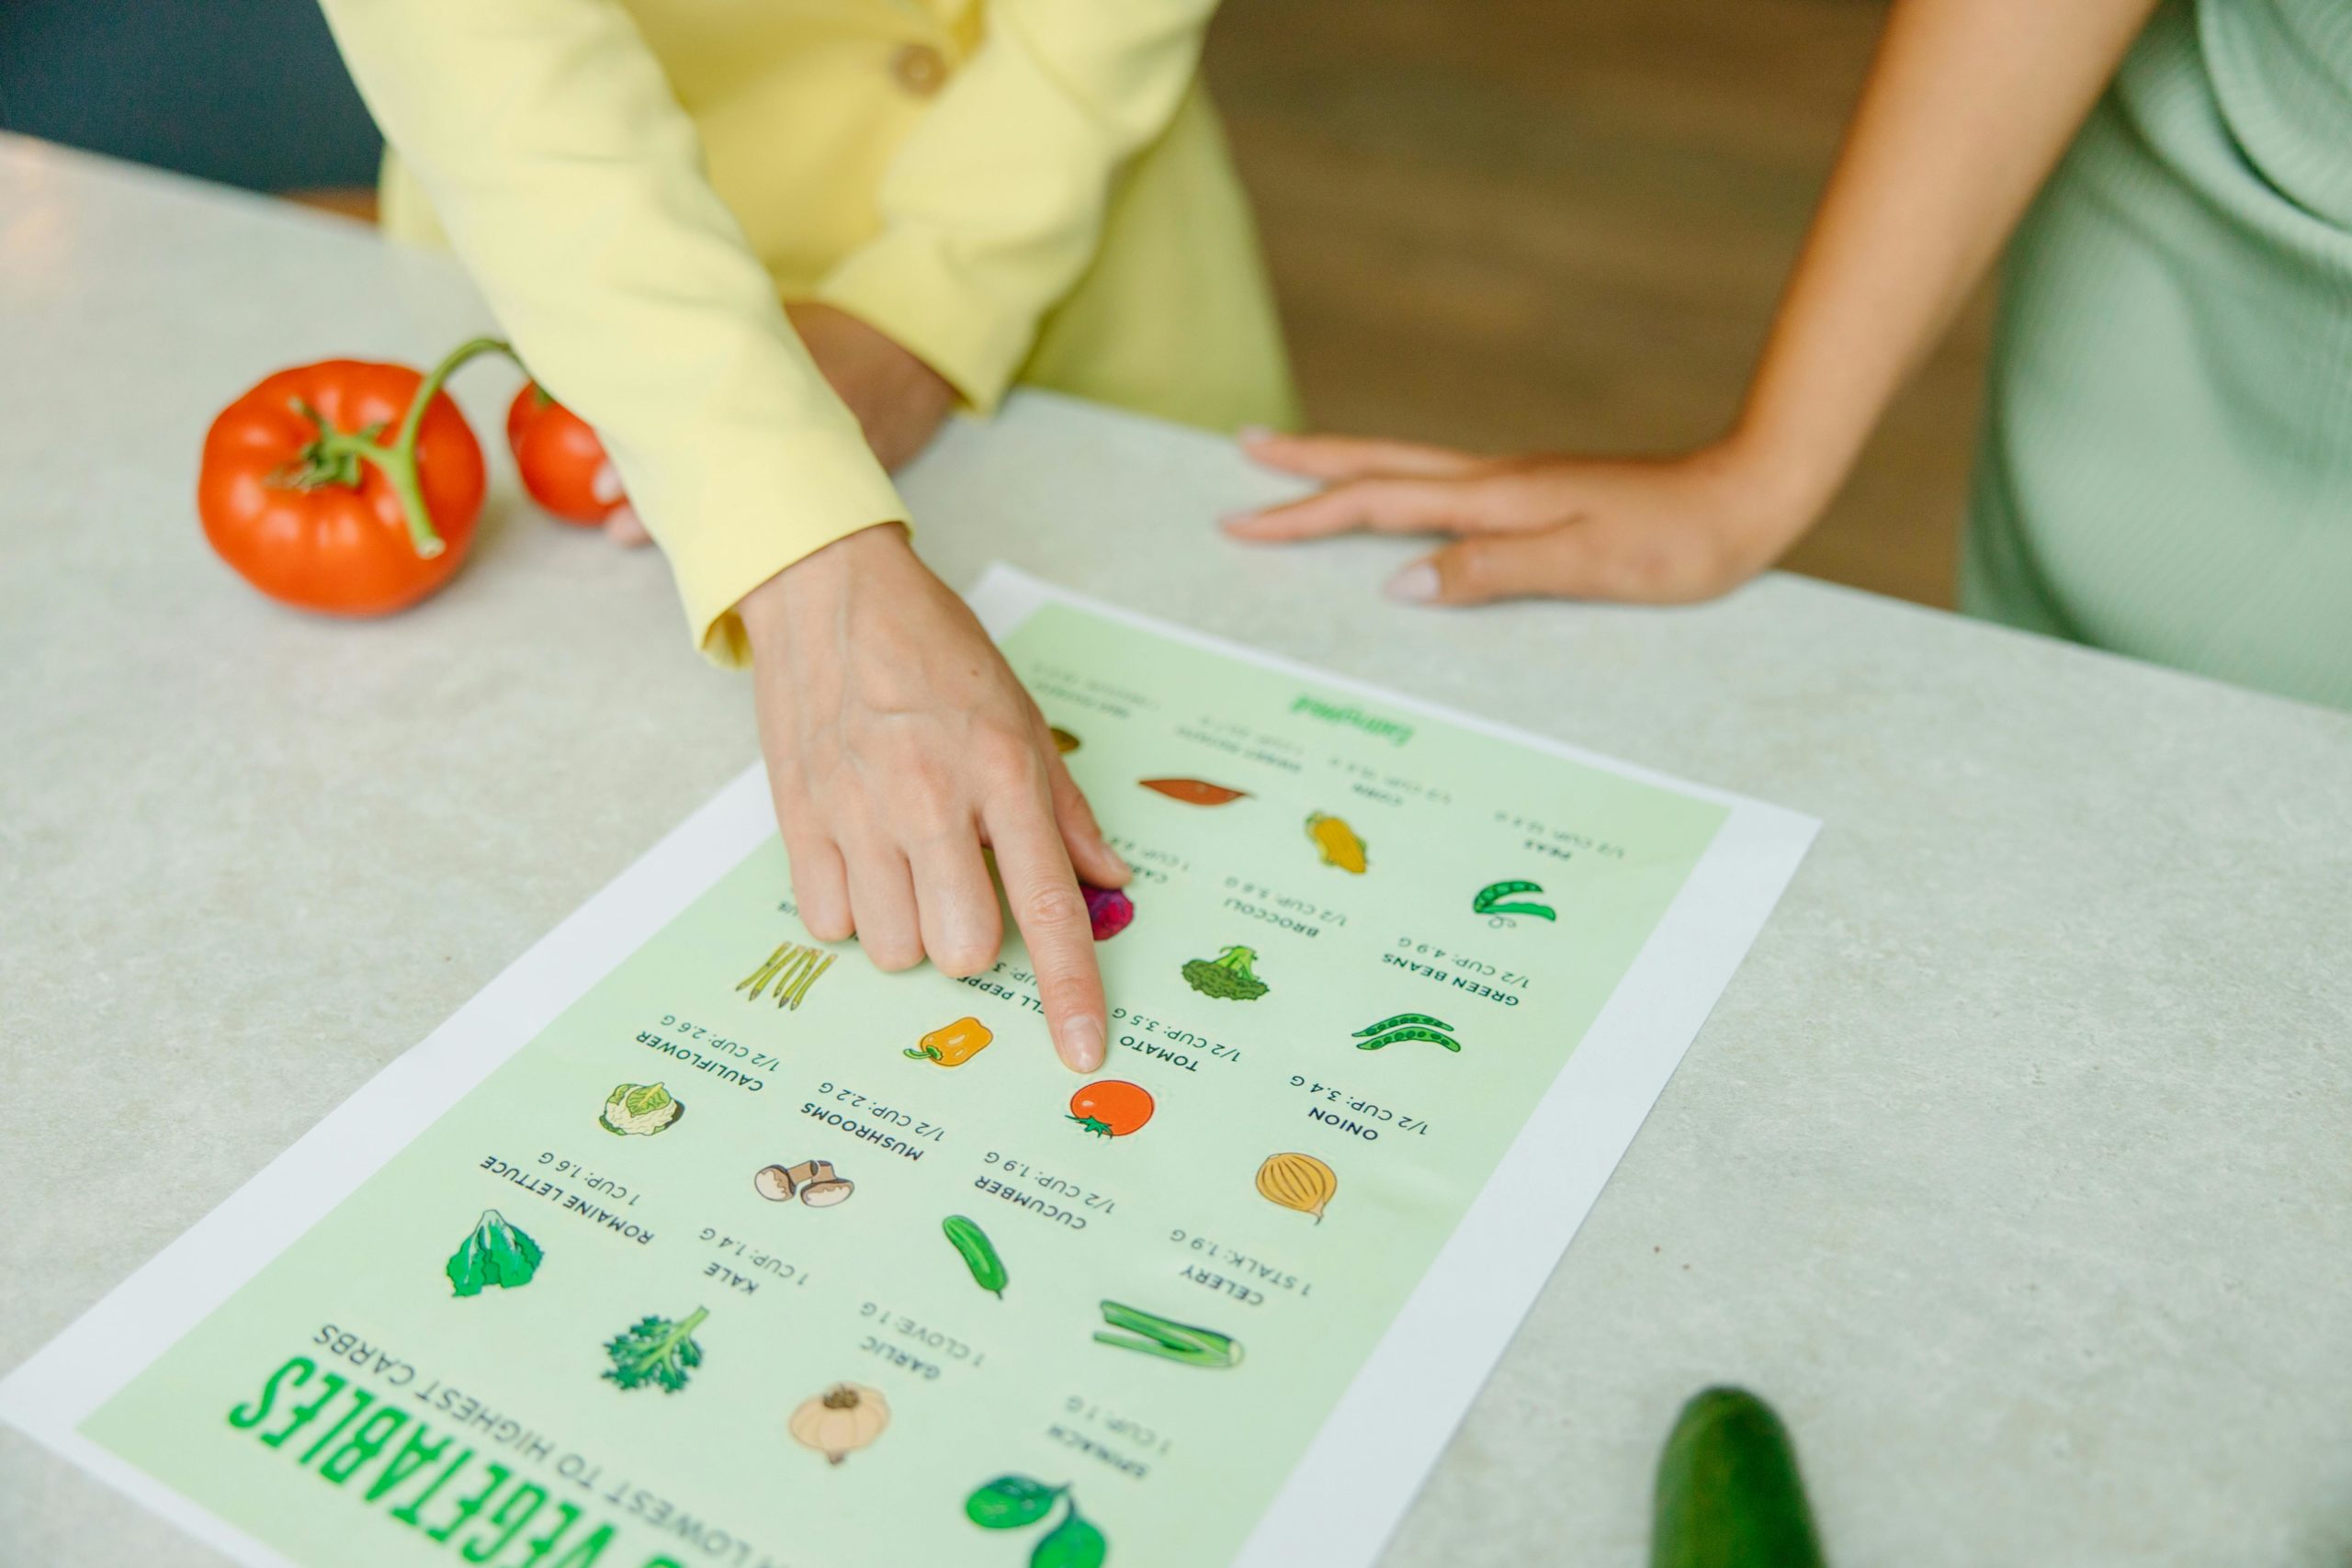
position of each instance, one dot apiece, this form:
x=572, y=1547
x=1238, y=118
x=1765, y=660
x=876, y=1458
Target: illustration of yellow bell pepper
x=954, y=1045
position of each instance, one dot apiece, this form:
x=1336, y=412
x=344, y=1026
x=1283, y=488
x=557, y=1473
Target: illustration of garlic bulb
x=840, y=1421
x=1298, y=1181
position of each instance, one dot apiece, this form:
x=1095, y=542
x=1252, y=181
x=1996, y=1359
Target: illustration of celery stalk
x=1156, y=1336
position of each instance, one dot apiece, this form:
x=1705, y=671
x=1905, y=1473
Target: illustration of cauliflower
x=644, y=1109
x=1226, y=976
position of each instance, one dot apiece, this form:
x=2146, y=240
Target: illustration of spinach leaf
x=1074, y=1543
x=1010, y=1501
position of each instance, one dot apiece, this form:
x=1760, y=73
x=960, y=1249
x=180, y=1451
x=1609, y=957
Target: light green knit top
x=2165, y=467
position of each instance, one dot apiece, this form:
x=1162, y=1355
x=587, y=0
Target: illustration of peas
x=1499, y=898
x=1407, y=1026
x=1397, y=1037
x=1402, y=1020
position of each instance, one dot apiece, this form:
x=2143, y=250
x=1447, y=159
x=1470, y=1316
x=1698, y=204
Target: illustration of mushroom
x=840, y=1421
x=813, y=1181
x=819, y=1187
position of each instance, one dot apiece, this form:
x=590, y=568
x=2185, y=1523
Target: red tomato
x=560, y=457
x=289, y=502
x=1111, y=1108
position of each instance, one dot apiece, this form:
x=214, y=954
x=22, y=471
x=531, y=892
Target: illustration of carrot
x=1195, y=792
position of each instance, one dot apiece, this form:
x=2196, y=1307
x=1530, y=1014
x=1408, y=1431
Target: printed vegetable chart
x=757, y=1256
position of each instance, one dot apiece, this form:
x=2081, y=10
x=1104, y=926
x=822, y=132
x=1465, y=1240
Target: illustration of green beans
x=979, y=1256
x=1397, y=1037
x=1156, y=1336
x=1491, y=900
x=1402, y=1020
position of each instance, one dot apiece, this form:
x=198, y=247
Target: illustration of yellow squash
x=1298, y=1181
x=1337, y=842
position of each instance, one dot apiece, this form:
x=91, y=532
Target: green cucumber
x=1728, y=1491
x=972, y=1245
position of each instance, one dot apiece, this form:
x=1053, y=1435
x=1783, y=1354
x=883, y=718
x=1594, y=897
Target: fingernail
x=1238, y=519
x=1250, y=434
x=605, y=486
x=1081, y=1043
x=1416, y=585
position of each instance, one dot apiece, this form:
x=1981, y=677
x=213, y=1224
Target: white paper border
x=1360, y=1473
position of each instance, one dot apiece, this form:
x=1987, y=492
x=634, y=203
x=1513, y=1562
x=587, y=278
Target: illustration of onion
x=840, y=1421
x=1298, y=1181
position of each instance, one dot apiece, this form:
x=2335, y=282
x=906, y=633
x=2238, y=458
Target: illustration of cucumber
x=978, y=1254
x=1492, y=900
x=1402, y=1020
x=1395, y=1036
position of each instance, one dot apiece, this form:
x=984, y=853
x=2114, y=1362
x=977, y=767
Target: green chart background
x=1021, y=1387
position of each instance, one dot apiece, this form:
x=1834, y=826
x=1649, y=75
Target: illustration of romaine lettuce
x=496, y=1253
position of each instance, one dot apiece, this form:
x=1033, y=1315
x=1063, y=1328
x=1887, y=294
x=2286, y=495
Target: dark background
x=248, y=92
x=1508, y=224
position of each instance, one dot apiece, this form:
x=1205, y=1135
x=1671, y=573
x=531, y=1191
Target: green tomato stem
x=334, y=456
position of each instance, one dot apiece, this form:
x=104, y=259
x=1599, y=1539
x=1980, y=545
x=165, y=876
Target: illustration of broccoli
x=656, y=1350
x=1228, y=976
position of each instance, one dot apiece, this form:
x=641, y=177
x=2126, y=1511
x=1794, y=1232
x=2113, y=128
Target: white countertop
x=2015, y=1168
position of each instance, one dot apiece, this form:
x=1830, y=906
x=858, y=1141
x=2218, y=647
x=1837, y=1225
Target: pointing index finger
x=1051, y=912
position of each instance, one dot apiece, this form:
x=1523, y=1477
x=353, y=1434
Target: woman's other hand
x=1655, y=531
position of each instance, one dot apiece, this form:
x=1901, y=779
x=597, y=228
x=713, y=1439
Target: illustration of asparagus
x=792, y=968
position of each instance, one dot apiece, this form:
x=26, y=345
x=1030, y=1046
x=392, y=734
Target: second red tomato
x=559, y=457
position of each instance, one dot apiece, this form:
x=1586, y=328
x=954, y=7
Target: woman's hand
x=1664, y=531
x=899, y=743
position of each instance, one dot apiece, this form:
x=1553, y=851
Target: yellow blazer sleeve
x=570, y=182
x=992, y=206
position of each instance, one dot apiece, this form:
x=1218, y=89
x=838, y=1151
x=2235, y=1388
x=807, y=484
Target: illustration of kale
x=657, y=1351
x=1228, y=976
x=496, y=1254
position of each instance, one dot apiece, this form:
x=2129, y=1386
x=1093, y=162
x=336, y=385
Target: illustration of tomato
x=1111, y=1109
